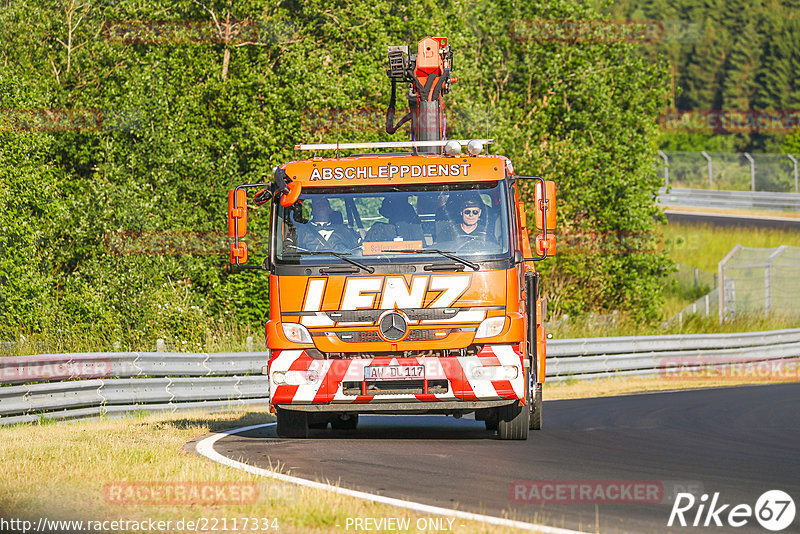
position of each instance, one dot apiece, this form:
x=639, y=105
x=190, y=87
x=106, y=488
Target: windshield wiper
x=340, y=255
x=444, y=253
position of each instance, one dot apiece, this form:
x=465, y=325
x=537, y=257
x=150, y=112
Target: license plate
x=394, y=372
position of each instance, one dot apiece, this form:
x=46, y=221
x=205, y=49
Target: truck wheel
x=292, y=424
x=345, y=421
x=536, y=411
x=514, y=421
x=491, y=419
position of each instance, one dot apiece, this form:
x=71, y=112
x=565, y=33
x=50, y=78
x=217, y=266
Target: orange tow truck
x=402, y=278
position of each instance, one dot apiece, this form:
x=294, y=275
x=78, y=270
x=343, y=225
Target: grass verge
x=55, y=470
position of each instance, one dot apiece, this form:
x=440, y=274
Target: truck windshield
x=379, y=224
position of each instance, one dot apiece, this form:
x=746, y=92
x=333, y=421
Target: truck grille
x=395, y=387
x=366, y=336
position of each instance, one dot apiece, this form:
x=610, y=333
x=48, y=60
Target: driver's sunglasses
x=476, y=211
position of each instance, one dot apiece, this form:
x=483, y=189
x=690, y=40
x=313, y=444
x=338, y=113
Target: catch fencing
x=745, y=200
x=759, y=281
x=729, y=171
x=755, y=282
x=56, y=386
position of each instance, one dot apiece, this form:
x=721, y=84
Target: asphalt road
x=728, y=221
x=738, y=441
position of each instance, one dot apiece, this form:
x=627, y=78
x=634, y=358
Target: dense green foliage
x=725, y=55
x=175, y=124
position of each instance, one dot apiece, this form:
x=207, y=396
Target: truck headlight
x=491, y=327
x=296, y=332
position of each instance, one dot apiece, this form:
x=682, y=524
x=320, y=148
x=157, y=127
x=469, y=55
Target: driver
x=468, y=226
x=326, y=230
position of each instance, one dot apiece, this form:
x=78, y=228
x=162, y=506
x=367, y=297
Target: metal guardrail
x=16, y=369
x=680, y=342
x=124, y=383
x=707, y=198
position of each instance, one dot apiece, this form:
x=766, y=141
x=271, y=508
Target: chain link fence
x=755, y=281
x=728, y=171
x=760, y=281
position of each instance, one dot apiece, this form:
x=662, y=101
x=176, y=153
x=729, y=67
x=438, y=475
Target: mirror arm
x=280, y=180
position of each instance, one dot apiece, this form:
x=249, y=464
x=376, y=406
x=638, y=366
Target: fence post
x=768, y=279
x=666, y=167
x=752, y=171
x=710, y=169
x=721, y=273
x=796, y=189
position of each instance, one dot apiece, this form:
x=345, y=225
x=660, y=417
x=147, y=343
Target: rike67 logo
x=774, y=510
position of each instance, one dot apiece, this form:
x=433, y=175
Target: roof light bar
x=387, y=144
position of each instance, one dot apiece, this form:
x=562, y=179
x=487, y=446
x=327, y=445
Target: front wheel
x=291, y=423
x=536, y=409
x=513, y=421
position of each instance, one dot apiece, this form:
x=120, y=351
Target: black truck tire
x=536, y=412
x=514, y=421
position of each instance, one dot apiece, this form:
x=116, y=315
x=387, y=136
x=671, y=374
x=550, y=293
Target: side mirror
x=239, y=253
x=237, y=225
x=546, y=246
x=237, y=213
x=545, y=197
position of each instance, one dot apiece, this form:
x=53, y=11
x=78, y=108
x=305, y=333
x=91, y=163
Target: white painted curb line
x=205, y=448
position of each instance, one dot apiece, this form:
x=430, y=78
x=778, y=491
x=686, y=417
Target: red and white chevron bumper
x=495, y=373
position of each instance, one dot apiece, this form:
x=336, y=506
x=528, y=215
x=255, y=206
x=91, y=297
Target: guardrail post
x=666, y=167
x=721, y=269
x=710, y=169
x=160, y=345
x=794, y=161
x=752, y=171
x=249, y=343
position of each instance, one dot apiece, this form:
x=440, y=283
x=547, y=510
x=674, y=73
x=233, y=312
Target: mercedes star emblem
x=393, y=326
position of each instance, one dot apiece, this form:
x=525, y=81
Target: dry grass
x=60, y=471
